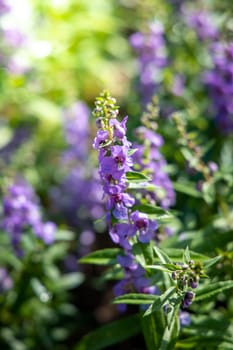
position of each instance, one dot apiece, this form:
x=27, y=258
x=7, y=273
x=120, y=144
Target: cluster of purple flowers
x=219, y=79
x=125, y=224
x=76, y=125
x=6, y=282
x=21, y=212
x=151, y=50
x=149, y=158
x=4, y=7
x=188, y=299
x=202, y=22
x=13, y=39
x=79, y=198
x=220, y=83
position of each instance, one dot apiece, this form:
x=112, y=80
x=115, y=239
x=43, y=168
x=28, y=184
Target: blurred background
x=56, y=56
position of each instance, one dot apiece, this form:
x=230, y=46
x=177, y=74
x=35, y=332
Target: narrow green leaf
x=132, y=151
x=177, y=254
x=186, y=255
x=64, y=235
x=151, y=209
x=212, y=289
x=153, y=327
x=163, y=257
x=143, y=186
x=160, y=301
x=134, y=176
x=136, y=298
x=158, y=267
x=210, y=262
x=171, y=331
x=187, y=188
x=102, y=257
x=110, y=334
x=68, y=281
x=207, y=341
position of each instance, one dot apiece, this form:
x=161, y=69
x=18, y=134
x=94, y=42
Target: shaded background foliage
x=56, y=56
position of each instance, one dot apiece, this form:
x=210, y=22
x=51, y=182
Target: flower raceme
x=126, y=225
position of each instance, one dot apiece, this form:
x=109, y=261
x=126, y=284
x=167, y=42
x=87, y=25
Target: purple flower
x=119, y=202
x=101, y=139
x=6, y=282
x=120, y=234
x=150, y=47
x=21, y=212
x=76, y=127
x=4, y=7
x=144, y=226
x=114, y=163
x=119, y=128
x=46, y=231
x=188, y=299
x=219, y=80
x=202, y=22
x=151, y=160
x=185, y=319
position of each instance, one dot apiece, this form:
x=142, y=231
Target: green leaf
x=151, y=209
x=110, y=334
x=187, y=188
x=177, y=254
x=136, y=298
x=160, y=301
x=212, y=289
x=210, y=262
x=163, y=257
x=207, y=341
x=186, y=255
x=102, y=257
x=159, y=267
x=64, y=235
x=142, y=186
x=132, y=151
x=134, y=176
x=40, y=290
x=144, y=253
x=153, y=327
x=171, y=331
x=68, y=281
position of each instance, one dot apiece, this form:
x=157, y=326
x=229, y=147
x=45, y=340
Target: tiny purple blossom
x=144, y=226
x=119, y=128
x=101, y=137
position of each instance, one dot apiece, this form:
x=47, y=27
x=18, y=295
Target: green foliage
x=110, y=334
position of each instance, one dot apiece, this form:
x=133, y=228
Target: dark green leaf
x=177, y=254
x=102, y=257
x=153, y=327
x=186, y=255
x=160, y=301
x=163, y=257
x=136, y=298
x=210, y=262
x=212, y=289
x=188, y=189
x=68, y=281
x=110, y=334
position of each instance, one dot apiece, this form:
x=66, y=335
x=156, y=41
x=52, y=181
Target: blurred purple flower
x=21, y=211
x=202, y=22
x=151, y=50
x=219, y=81
x=6, y=282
